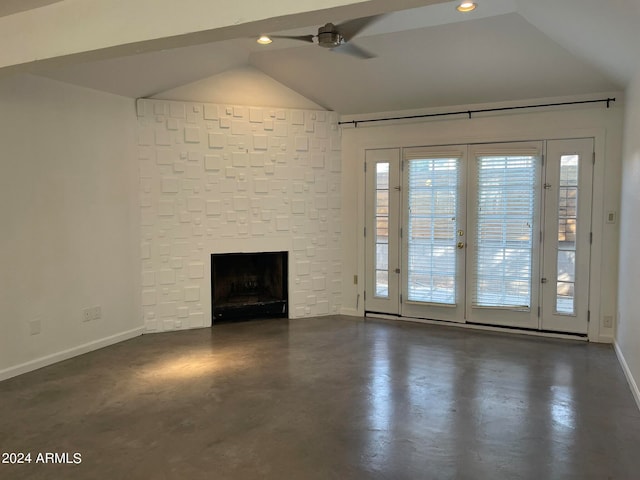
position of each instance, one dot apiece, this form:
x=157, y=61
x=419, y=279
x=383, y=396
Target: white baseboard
x=603, y=339
x=350, y=312
x=627, y=372
x=70, y=353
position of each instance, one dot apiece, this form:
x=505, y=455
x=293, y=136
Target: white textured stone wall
x=222, y=179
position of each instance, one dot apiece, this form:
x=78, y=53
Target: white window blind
x=505, y=218
x=432, y=212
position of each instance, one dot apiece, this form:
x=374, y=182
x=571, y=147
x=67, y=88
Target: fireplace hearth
x=249, y=285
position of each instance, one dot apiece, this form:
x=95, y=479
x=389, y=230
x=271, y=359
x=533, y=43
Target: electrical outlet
x=35, y=326
x=97, y=313
x=355, y=279
x=611, y=217
x=607, y=321
x=87, y=315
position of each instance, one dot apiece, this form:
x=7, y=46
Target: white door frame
x=415, y=135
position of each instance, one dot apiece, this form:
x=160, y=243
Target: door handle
x=460, y=245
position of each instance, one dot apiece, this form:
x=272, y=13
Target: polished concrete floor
x=327, y=398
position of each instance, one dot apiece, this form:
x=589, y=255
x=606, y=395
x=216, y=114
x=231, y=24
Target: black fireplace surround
x=249, y=285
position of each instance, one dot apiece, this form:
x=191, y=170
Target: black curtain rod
x=483, y=110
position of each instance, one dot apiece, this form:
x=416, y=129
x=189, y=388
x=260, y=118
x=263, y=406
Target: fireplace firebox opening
x=249, y=285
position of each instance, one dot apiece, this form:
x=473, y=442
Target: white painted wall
x=603, y=124
x=628, y=332
x=221, y=179
x=240, y=86
x=69, y=230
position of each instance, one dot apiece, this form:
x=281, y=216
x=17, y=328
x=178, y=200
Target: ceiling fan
x=337, y=37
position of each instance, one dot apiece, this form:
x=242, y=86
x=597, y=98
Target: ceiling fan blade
x=351, y=28
x=353, y=50
x=303, y=38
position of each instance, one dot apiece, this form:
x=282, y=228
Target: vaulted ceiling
x=9, y=7
x=426, y=57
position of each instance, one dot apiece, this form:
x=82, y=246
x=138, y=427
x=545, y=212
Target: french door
x=487, y=234
x=433, y=234
x=382, y=231
x=567, y=235
x=503, y=247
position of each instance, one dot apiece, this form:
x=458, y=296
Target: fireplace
x=249, y=285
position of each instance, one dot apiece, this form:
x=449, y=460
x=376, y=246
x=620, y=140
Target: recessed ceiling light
x=264, y=40
x=466, y=7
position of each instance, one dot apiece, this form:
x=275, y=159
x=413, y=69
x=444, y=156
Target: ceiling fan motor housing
x=328, y=37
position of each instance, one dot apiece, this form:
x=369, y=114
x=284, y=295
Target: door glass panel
x=432, y=211
x=382, y=230
x=504, y=242
x=567, y=224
